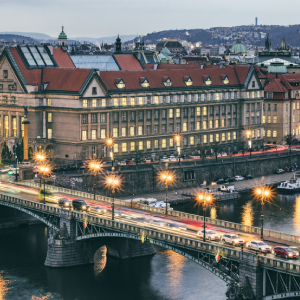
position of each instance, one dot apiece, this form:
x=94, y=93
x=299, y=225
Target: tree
x=203, y=150
x=218, y=148
x=5, y=153
x=289, y=140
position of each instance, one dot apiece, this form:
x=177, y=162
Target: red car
x=285, y=252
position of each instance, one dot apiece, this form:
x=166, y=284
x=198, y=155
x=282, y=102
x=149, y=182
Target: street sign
x=54, y=177
x=72, y=181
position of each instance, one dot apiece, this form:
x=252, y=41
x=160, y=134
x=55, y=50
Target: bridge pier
x=251, y=276
x=65, y=251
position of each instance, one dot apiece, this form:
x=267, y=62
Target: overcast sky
x=99, y=18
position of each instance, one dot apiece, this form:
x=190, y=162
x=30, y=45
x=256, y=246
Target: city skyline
x=113, y=17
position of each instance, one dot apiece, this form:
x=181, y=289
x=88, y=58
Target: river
x=164, y=276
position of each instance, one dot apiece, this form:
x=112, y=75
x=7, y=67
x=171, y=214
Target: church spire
x=283, y=44
x=267, y=43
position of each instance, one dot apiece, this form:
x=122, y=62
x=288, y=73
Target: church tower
x=62, y=40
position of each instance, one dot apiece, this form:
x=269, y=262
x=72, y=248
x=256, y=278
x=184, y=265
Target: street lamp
x=40, y=157
x=44, y=170
x=264, y=193
x=177, y=138
x=167, y=178
x=249, y=135
x=94, y=167
x=110, y=143
x=113, y=183
x=205, y=196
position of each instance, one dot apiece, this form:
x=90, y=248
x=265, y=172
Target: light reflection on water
x=3, y=288
x=213, y=213
x=100, y=260
x=247, y=214
x=296, y=218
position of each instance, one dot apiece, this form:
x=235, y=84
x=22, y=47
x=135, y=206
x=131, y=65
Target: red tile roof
x=128, y=62
x=155, y=77
x=275, y=86
x=60, y=79
x=259, y=72
x=176, y=67
x=62, y=58
x=288, y=79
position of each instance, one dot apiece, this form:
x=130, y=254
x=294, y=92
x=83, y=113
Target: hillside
x=16, y=38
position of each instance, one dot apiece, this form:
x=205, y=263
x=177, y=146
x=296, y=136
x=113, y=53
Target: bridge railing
x=230, y=225
x=277, y=264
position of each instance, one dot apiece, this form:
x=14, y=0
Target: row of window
x=252, y=120
x=252, y=107
x=13, y=126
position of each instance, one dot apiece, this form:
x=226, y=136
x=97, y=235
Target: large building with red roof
x=72, y=111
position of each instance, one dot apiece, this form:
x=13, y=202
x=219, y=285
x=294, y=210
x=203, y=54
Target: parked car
x=248, y=176
x=63, y=202
x=259, y=245
x=209, y=234
x=232, y=239
x=220, y=181
x=148, y=160
x=173, y=158
x=285, y=252
x=81, y=205
x=121, y=163
x=164, y=158
x=73, y=167
x=238, y=178
x=230, y=179
x=130, y=162
x=98, y=210
x=279, y=171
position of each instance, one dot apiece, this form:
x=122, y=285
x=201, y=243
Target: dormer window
x=144, y=82
x=187, y=80
x=207, y=80
x=120, y=84
x=167, y=81
x=225, y=79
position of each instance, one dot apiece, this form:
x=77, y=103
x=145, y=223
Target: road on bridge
x=176, y=225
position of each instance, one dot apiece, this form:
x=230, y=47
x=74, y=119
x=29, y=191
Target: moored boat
x=289, y=186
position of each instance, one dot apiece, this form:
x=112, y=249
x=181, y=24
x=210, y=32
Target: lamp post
x=113, y=183
x=205, y=196
x=110, y=143
x=178, y=144
x=44, y=170
x=39, y=157
x=94, y=166
x=263, y=192
x=167, y=178
x=249, y=136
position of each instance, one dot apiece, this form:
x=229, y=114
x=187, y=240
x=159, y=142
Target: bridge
x=74, y=237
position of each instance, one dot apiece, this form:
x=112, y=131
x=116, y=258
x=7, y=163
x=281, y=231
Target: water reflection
x=3, y=288
x=296, y=218
x=247, y=214
x=213, y=213
x=100, y=260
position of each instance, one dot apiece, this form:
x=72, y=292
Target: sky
x=100, y=18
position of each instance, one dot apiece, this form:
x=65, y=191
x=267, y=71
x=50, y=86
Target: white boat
x=289, y=186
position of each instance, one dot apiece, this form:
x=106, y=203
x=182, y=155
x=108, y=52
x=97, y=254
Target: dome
x=170, y=44
x=62, y=35
x=238, y=47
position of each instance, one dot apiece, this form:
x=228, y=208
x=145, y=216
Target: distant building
x=238, y=48
x=256, y=21
x=173, y=45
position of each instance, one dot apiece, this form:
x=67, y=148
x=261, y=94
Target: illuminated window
x=192, y=140
x=49, y=117
x=223, y=122
x=167, y=82
x=184, y=126
x=124, y=101
x=229, y=136
x=84, y=103
x=204, y=125
x=264, y=119
x=274, y=134
x=234, y=135
x=132, y=146
x=148, y=144
x=217, y=137
x=294, y=118
x=124, y=147
x=258, y=94
x=116, y=102
x=115, y=132
x=293, y=131
x=198, y=111
x=207, y=80
x=294, y=106
x=22, y=127
x=141, y=145
x=14, y=126
x=217, y=96
x=253, y=95
x=164, y=143
x=94, y=134
x=226, y=80
x=264, y=133
x=116, y=148
x=120, y=84
x=210, y=123
x=211, y=138
x=171, y=142
x=156, y=100
x=189, y=82
x=223, y=137
x=83, y=135
x=145, y=83
x=94, y=103
x=204, y=110
x=48, y=102
x=131, y=131
x=248, y=95
x=205, y=139
x=141, y=101
x=124, y=129
x=198, y=125
x=156, y=144
x=217, y=124
x=258, y=133
x=177, y=112
x=269, y=119
x=171, y=111
x=103, y=133
x=103, y=101
x=50, y=133
x=268, y=133
x=140, y=130
x=132, y=101
x=274, y=119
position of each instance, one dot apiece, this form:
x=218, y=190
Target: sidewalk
x=240, y=186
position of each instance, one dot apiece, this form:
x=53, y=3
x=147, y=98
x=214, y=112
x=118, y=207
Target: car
x=248, y=176
x=98, y=209
x=130, y=162
x=84, y=166
x=173, y=158
x=279, y=171
x=121, y=163
x=230, y=179
x=73, y=166
x=238, y=178
x=232, y=239
x=63, y=202
x=81, y=205
x=259, y=245
x=285, y=252
x=164, y=159
x=220, y=181
x=64, y=167
x=209, y=234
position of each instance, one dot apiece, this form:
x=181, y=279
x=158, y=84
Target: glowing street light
x=249, y=136
x=177, y=138
x=264, y=193
x=203, y=197
x=110, y=143
x=94, y=167
x=113, y=182
x=40, y=157
x=44, y=170
x=167, y=178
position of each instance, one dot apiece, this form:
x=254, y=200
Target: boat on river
x=289, y=186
